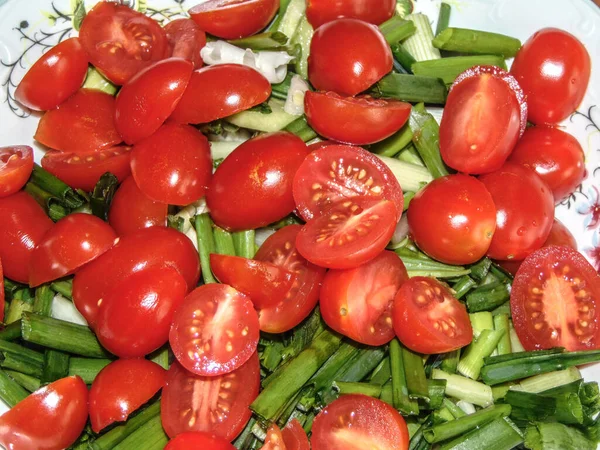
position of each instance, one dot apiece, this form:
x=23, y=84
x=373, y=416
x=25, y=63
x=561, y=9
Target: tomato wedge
x=376, y=12
x=186, y=39
x=16, y=164
x=274, y=439
x=198, y=440
x=294, y=436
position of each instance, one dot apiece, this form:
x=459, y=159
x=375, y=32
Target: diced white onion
x=294, y=103
x=400, y=233
x=64, y=309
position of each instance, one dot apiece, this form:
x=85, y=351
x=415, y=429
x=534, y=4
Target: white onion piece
x=191, y=210
x=400, y=233
x=467, y=407
x=64, y=309
x=262, y=235
x=294, y=102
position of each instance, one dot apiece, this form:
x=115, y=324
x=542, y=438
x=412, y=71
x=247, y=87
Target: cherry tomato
x=173, y=165
x=358, y=422
x=233, y=19
x=484, y=116
x=121, y=388
x=120, y=41
x=54, y=77
x=60, y=410
x=556, y=156
x=334, y=65
x=294, y=436
x=218, y=404
x=253, y=186
x=197, y=439
x=300, y=300
x=2, y=299
x=24, y=223
x=16, y=164
x=132, y=210
x=453, y=219
x=84, y=171
x=219, y=91
x=524, y=211
x=135, y=316
x=72, y=242
x=554, y=301
x=350, y=233
x=274, y=439
x=186, y=39
x=338, y=172
x=553, y=67
x=376, y=12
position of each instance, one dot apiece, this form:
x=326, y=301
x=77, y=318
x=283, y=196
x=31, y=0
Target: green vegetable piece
x=556, y=436
x=476, y=42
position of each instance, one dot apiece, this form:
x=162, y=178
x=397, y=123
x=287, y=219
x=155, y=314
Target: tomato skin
x=54, y=77
x=294, y=436
x=121, y=388
x=553, y=68
x=376, y=12
x=60, y=410
x=16, y=164
x=357, y=67
x=24, y=223
x=233, y=19
x=262, y=169
x=186, y=39
x=219, y=91
x=196, y=439
x=556, y=156
x=556, y=288
x=524, y=211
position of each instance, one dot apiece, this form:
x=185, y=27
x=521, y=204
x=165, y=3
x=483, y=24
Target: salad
x=250, y=230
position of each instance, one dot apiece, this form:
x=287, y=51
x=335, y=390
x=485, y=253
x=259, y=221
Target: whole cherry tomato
x=16, y=164
x=186, y=39
x=376, y=12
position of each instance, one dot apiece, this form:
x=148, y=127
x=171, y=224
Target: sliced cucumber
x=277, y=120
x=95, y=80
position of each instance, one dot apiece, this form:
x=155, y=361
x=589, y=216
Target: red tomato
x=121, y=388
x=84, y=171
x=265, y=283
x=54, y=77
x=196, y=439
x=524, y=211
x=357, y=422
x=274, y=439
x=300, y=300
x=2, y=299
x=72, y=242
x=553, y=67
x=150, y=247
x=350, y=233
x=218, y=404
x=16, y=164
x=554, y=301
x=263, y=170
x=376, y=12
x=215, y=331
x=120, y=41
x=24, y=223
x=233, y=19
x=335, y=65
x=428, y=319
x=88, y=116
x=453, y=219
x=358, y=302
x=219, y=91
x=60, y=410
x=555, y=156
x=337, y=172
x=135, y=316
x=173, y=165
x=132, y=210
x=186, y=39
x=294, y=436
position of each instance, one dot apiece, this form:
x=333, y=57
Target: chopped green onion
x=488, y=297
x=500, y=434
x=206, y=245
x=400, y=398
x=11, y=332
x=472, y=361
x=426, y=137
x=43, y=300
x=419, y=45
x=11, y=392
x=345, y=387
x=404, y=58
x=301, y=129
x=63, y=287
x=447, y=69
x=103, y=194
x=68, y=197
x=450, y=361
x=502, y=323
x=87, y=368
x=443, y=18
x=397, y=29
x=412, y=88
x=466, y=389
x=149, y=436
x=392, y=145
x=30, y=383
x=476, y=42
x=223, y=241
x=56, y=366
x=269, y=40
x=301, y=39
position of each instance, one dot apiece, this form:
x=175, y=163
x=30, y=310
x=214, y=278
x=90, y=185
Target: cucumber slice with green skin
x=276, y=120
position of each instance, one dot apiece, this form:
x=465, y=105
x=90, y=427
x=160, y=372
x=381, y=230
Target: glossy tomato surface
x=294, y=436
x=16, y=164
x=186, y=39
x=197, y=439
x=273, y=439
x=2, y=295
x=376, y=12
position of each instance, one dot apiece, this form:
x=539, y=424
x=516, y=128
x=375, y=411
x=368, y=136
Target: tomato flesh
x=274, y=439
x=294, y=436
x=16, y=164
x=186, y=39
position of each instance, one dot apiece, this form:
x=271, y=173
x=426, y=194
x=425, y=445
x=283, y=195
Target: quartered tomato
x=186, y=39
x=376, y=12
x=16, y=164
x=294, y=436
x=428, y=319
x=555, y=301
x=197, y=439
x=274, y=439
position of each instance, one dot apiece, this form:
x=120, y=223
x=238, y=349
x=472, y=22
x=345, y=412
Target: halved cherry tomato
x=339, y=172
x=215, y=331
x=333, y=65
x=186, y=39
x=358, y=422
x=54, y=77
x=120, y=41
x=173, y=165
x=350, y=233
x=60, y=410
x=84, y=171
x=358, y=302
x=218, y=404
x=555, y=301
x=274, y=439
x=253, y=186
x=121, y=388
x=484, y=116
x=376, y=12
x=265, y=283
x=72, y=242
x=219, y=91
x=233, y=19
x=2, y=299
x=132, y=210
x=16, y=164
x=429, y=319
x=294, y=436
x=300, y=300
x=135, y=316
x=197, y=440
x=24, y=223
